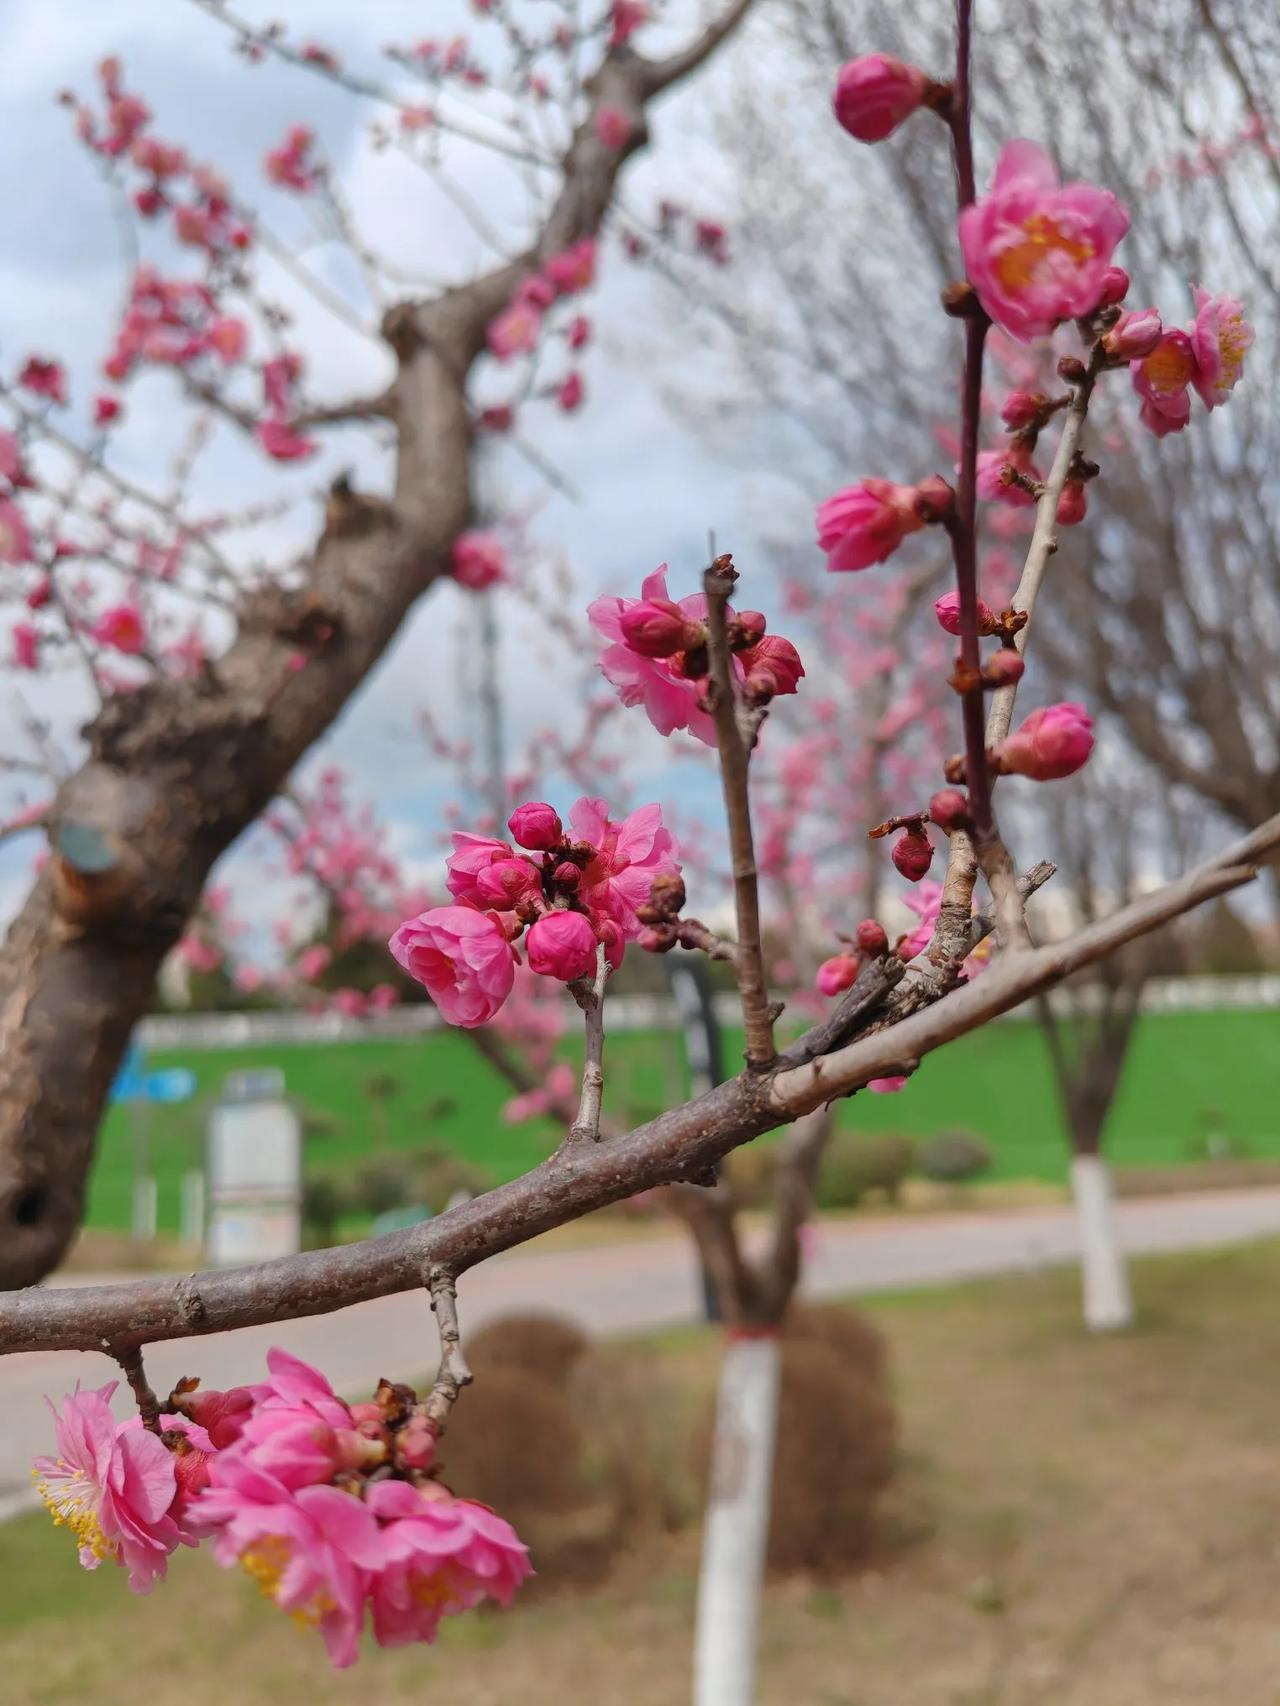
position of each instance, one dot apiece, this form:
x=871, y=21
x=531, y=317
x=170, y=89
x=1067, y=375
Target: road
x=630, y=1286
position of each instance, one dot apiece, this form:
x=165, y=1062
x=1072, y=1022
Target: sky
x=651, y=477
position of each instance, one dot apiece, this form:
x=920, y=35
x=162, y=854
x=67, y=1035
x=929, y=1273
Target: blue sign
x=174, y=1084
x=131, y=1084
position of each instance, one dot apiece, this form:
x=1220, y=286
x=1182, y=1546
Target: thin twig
x=148, y=1404
x=717, y=582
x=590, y=997
x=453, y=1373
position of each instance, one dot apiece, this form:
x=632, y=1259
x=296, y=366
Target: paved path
x=621, y=1288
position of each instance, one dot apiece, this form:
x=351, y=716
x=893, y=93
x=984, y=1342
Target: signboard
x=253, y=1164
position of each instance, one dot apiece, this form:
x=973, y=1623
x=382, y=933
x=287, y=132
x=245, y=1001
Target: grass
x=1188, y=1074
x=1076, y=1521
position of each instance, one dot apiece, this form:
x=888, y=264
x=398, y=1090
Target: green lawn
x=1187, y=1074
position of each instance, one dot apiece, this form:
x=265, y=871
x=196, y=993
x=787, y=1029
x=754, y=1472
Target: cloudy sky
x=651, y=476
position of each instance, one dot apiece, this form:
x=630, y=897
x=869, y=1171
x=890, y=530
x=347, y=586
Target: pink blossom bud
x=751, y=625
x=657, y=938
x=875, y=93
x=562, y=945
x=772, y=667
x=913, y=854
x=1052, y=742
x=871, y=938
x=416, y=1443
x=866, y=523
x=836, y=974
x=949, y=809
x=935, y=499
x=1022, y=408
x=1004, y=668
x=221, y=1414
x=1134, y=335
x=567, y=876
x=947, y=610
x=654, y=628
x=478, y=560
x=506, y=883
x=1073, y=503
x=536, y=825
x=1115, y=287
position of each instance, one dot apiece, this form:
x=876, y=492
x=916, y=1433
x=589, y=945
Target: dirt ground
x=1076, y=1522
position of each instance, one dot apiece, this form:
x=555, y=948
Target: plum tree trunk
x=737, y=1522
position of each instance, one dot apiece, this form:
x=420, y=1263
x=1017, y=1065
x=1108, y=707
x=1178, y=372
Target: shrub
x=545, y=1346
x=752, y=1172
x=323, y=1203
x=953, y=1157
x=835, y=1454
x=513, y=1443
x=853, y=1166
x=843, y=1330
x=382, y=1186
x=440, y=1174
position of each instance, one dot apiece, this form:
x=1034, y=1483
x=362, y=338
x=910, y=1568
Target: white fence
x=183, y=1031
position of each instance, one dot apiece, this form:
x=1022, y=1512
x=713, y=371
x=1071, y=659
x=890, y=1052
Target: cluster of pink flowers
x=335, y=1510
x=173, y=322
x=581, y=892
x=15, y=535
x=517, y=329
x=277, y=433
x=1207, y=356
x=289, y=164
x=657, y=656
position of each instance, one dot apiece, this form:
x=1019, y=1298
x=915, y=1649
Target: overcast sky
x=651, y=479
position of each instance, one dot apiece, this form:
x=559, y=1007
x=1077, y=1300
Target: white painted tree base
x=737, y=1524
x=1108, y=1303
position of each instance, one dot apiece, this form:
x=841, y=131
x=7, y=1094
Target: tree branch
x=678, y=1145
x=735, y=754
x=590, y=997
x=453, y=1373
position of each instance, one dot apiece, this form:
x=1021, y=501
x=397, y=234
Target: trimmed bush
x=439, y=1174
x=544, y=1346
x=854, y=1166
x=845, y=1331
x=953, y=1157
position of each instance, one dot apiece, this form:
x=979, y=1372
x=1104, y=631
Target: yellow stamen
x=73, y=1503
x=266, y=1562
x=1019, y=265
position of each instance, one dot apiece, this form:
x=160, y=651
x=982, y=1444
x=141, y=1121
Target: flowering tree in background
x=340, y=1511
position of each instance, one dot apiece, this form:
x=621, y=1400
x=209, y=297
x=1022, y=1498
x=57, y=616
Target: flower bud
x=773, y=666
x=567, y=876
x=836, y=974
x=1022, y=409
x=1115, y=287
x=949, y=809
x=1073, y=504
x=913, y=854
x=416, y=1443
x=747, y=629
x=1134, y=335
x=1071, y=368
x=667, y=893
x=935, y=499
x=657, y=938
x=506, y=883
x=562, y=945
x=875, y=93
x=1052, y=742
x=653, y=627
x=536, y=825
x=947, y=610
x=1003, y=669
x=871, y=938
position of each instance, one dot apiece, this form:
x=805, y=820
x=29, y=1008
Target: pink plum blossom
x=122, y=628
x=1051, y=743
x=574, y=269
x=613, y=127
x=669, y=698
x=947, y=610
x=44, y=379
x=993, y=489
x=1037, y=251
x=1220, y=338
x=836, y=974
x=628, y=855
x=26, y=645
x=462, y=958
x=865, y=524
x=282, y=442
x=289, y=164
x=479, y=560
x=15, y=535
x=113, y=1485
x=562, y=945
x=515, y=331
x=440, y=1555
x=875, y=93
x=1161, y=378
x=571, y=392
x=1134, y=334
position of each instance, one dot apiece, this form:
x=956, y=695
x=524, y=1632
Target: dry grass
x=1078, y=1523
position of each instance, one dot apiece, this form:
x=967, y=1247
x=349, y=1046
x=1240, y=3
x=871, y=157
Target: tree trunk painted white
x=1108, y=1304
x=737, y=1525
